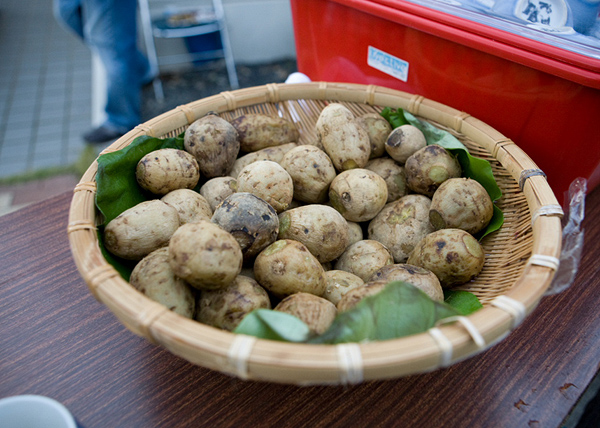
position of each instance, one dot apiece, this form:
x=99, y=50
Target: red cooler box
x=537, y=85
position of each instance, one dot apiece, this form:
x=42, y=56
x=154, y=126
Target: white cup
x=34, y=411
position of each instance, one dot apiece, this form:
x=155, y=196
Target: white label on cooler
x=388, y=64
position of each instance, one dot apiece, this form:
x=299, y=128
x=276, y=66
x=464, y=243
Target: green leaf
x=124, y=267
x=399, y=310
x=394, y=117
x=273, y=325
x=118, y=189
x=495, y=223
x=463, y=301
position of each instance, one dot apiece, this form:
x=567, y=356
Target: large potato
x=164, y=170
x=154, y=277
x=214, y=143
x=403, y=142
x=252, y=222
x=286, y=267
x=339, y=282
x=356, y=295
x=217, y=189
x=274, y=154
x=343, y=139
x=429, y=167
x=393, y=174
x=204, y=255
x=258, y=131
x=316, y=312
x=312, y=172
x=453, y=255
x=378, y=129
x=225, y=308
x=141, y=229
x=269, y=181
x=321, y=228
x=358, y=194
x=364, y=258
x=401, y=225
x=190, y=205
x=423, y=279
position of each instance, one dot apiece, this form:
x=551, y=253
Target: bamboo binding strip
x=521, y=257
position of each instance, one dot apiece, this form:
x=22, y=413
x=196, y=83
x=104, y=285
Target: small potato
x=316, y=312
x=225, y=308
x=343, y=139
x=164, y=170
x=393, y=174
x=153, y=277
x=286, y=267
x=274, y=154
x=321, y=228
x=403, y=142
x=141, y=229
x=190, y=205
x=358, y=194
x=356, y=295
x=421, y=278
x=401, y=225
x=339, y=282
x=364, y=258
x=461, y=203
x=355, y=232
x=250, y=220
x=217, y=189
x=204, y=255
x=312, y=172
x=378, y=129
x=429, y=167
x=453, y=255
x=269, y=181
x=258, y=131
x=214, y=143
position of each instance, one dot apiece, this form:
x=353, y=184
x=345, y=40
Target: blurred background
x=51, y=86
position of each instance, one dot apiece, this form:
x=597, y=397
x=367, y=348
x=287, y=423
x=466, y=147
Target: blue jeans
x=109, y=28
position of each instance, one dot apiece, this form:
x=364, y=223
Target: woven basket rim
x=251, y=358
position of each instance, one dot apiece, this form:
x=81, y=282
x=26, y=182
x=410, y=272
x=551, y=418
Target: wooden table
x=57, y=340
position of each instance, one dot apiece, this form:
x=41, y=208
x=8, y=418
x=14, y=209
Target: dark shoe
x=102, y=134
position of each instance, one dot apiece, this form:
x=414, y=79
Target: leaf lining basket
x=521, y=258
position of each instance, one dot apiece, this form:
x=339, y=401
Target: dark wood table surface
x=57, y=340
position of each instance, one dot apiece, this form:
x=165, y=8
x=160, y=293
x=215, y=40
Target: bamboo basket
x=521, y=258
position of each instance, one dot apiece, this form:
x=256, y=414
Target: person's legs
x=109, y=28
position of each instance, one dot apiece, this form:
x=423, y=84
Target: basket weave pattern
x=521, y=258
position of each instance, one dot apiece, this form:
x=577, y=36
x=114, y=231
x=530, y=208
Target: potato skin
x=354, y=296
x=141, y=229
x=164, y=170
x=316, y=312
x=421, y=278
x=217, y=189
x=453, y=255
x=225, y=308
x=274, y=154
x=378, y=129
x=258, y=131
x=153, y=277
x=286, y=267
x=190, y=205
x=321, y=228
x=461, y=203
x=429, y=167
x=401, y=224
x=339, y=282
x=204, y=255
x=403, y=142
x=214, y=143
x=358, y=194
x=364, y=258
x=252, y=222
x=343, y=139
x=393, y=174
x=269, y=181
x=312, y=172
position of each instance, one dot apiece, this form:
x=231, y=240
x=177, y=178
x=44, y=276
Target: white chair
x=203, y=20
